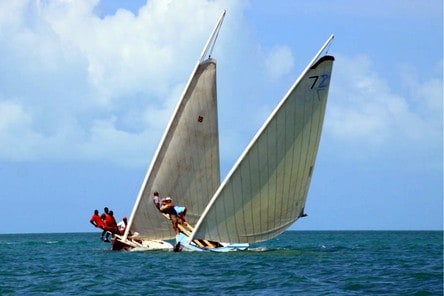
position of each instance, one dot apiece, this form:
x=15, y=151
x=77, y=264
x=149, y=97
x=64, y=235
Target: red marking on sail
x=200, y=119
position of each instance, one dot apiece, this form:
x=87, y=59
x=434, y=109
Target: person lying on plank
x=175, y=213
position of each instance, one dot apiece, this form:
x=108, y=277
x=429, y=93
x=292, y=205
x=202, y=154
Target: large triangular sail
x=186, y=163
x=266, y=190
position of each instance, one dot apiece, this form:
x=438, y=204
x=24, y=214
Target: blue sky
x=87, y=88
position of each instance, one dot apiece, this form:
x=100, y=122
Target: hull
x=183, y=244
x=118, y=244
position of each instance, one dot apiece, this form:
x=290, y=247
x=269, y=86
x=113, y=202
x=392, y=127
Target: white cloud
x=130, y=53
x=15, y=125
x=91, y=88
x=364, y=110
x=105, y=142
x=279, y=62
x=12, y=116
x=21, y=139
x=86, y=87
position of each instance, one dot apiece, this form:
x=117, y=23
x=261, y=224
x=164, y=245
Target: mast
x=208, y=48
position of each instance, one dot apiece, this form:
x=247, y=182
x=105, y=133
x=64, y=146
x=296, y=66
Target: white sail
x=267, y=189
x=186, y=164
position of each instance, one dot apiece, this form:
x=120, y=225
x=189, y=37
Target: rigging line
x=213, y=44
x=212, y=40
x=327, y=48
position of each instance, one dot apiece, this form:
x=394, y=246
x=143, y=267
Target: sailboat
x=186, y=163
x=266, y=190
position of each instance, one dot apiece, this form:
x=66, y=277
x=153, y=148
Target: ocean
x=295, y=263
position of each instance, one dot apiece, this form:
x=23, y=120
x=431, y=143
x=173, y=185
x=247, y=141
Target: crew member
x=96, y=220
x=181, y=212
x=110, y=225
x=103, y=217
x=121, y=226
x=156, y=200
x=167, y=207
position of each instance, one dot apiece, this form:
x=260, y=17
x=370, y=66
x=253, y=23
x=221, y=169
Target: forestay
x=267, y=189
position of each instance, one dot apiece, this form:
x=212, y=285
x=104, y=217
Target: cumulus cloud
x=78, y=86
x=15, y=123
x=129, y=53
x=75, y=85
x=364, y=106
x=364, y=110
x=279, y=62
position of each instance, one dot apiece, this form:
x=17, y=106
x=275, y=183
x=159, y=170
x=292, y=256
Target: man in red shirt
x=110, y=225
x=96, y=220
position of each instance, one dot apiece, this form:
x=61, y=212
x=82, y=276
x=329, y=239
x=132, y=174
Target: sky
x=87, y=88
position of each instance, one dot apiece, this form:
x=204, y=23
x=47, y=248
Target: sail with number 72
x=266, y=191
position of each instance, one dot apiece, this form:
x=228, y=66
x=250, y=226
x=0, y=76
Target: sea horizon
x=291, y=230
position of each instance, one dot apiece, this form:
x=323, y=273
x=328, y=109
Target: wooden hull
x=118, y=244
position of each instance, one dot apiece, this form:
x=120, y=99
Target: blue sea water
x=295, y=263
